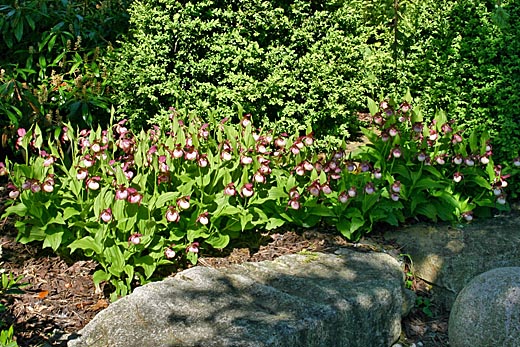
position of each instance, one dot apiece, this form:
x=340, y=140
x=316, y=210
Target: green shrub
x=462, y=56
x=49, y=61
x=292, y=61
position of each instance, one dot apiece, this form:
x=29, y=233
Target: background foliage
x=462, y=56
x=49, y=61
x=295, y=61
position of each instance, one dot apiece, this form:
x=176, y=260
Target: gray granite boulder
x=487, y=311
x=448, y=256
x=349, y=299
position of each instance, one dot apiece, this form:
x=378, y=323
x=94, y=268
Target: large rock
x=487, y=311
x=450, y=256
x=350, y=299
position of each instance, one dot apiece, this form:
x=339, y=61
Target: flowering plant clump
x=136, y=202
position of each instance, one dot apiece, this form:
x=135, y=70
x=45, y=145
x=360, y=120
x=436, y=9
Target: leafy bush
x=461, y=56
x=49, y=62
x=138, y=202
x=296, y=62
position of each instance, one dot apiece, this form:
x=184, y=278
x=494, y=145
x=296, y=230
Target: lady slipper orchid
x=421, y=156
x=193, y=247
x=246, y=120
x=245, y=160
x=343, y=197
x=516, y=162
x=93, y=183
x=82, y=174
x=394, y=196
x=369, y=188
x=352, y=192
x=315, y=188
x=133, y=196
x=48, y=186
x=457, y=160
x=203, y=160
x=14, y=193
x=279, y=142
x=440, y=160
x=88, y=161
x=446, y=128
x=293, y=194
x=169, y=253
x=456, y=138
x=265, y=169
x=501, y=199
x=468, y=216
x=364, y=167
x=308, y=139
x=49, y=161
x=392, y=131
x=191, y=153
x=172, y=215
x=418, y=127
x=121, y=193
x=258, y=177
x=135, y=238
x=225, y=155
x=433, y=135
x=378, y=174
x=178, y=152
x=247, y=190
x=294, y=204
x=326, y=189
x=396, y=152
x=295, y=150
x=396, y=187
x=106, y=215
x=469, y=161
x=163, y=178
x=3, y=170
x=351, y=166
x=384, y=136
x=457, y=177
x=378, y=119
x=203, y=218
x=405, y=107
x=96, y=147
x=230, y=189
x=299, y=170
x=183, y=203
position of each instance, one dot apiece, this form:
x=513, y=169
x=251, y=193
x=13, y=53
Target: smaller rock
x=487, y=311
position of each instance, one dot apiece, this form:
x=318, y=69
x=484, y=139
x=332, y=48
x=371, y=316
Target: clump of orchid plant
x=135, y=202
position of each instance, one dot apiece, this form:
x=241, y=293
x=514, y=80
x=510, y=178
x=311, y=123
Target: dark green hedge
x=298, y=61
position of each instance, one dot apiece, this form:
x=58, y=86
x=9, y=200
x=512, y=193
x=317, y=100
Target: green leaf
x=19, y=209
x=479, y=180
x=373, y=107
x=147, y=263
x=18, y=31
x=218, y=240
x=98, y=277
x=428, y=210
x=273, y=223
x=53, y=239
x=114, y=257
x=86, y=243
